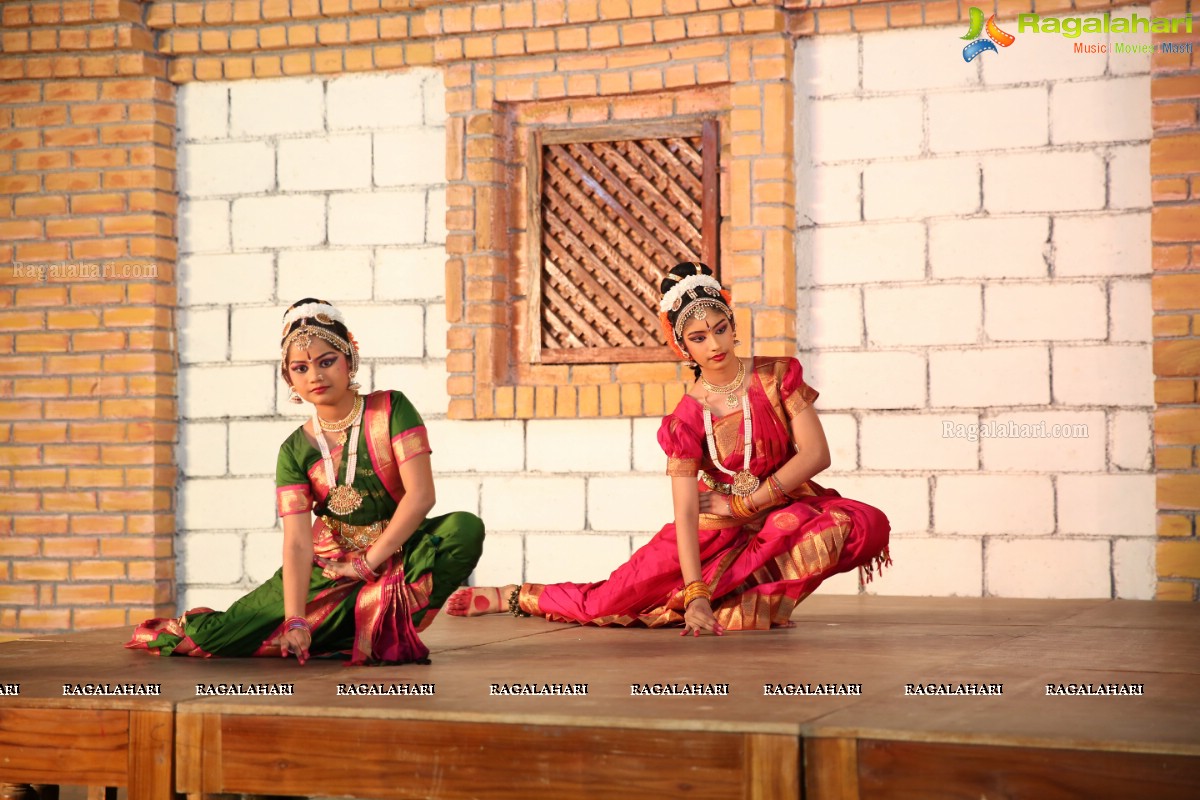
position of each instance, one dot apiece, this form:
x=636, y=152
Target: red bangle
x=296, y=623
x=364, y=572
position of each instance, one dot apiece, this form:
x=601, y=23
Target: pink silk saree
x=758, y=569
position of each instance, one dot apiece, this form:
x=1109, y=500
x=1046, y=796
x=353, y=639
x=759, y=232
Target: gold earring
x=295, y=398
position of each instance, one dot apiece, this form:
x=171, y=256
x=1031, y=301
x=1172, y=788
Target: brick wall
x=1175, y=233
x=87, y=372
x=954, y=292
x=87, y=376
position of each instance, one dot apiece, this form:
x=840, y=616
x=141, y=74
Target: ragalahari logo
x=995, y=36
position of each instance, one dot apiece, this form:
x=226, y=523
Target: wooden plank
x=710, y=148
x=189, y=750
x=685, y=232
x=398, y=760
x=830, y=769
x=152, y=755
x=612, y=133
x=533, y=243
x=772, y=769
x=612, y=307
x=607, y=355
x=59, y=745
x=933, y=771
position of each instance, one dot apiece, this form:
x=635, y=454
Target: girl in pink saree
x=753, y=534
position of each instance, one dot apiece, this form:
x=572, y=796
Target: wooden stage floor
x=465, y=741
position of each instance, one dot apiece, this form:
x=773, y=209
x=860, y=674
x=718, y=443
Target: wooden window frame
x=708, y=130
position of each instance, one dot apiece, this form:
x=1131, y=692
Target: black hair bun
x=683, y=269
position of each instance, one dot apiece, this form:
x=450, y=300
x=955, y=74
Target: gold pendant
x=732, y=401
x=344, y=500
x=745, y=483
x=341, y=439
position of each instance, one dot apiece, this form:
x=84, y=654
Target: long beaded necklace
x=745, y=482
x=345, y=422
x=342, y=499
x=729, y=389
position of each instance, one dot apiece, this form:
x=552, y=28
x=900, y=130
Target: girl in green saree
x=371, y=570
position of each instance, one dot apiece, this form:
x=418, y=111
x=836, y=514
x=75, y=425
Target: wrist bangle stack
x=694, y=591
x=296, y=623
x=775, y=490
x=742, y=507
x=364, y=572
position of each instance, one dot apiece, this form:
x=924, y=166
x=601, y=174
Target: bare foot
x=476, y=600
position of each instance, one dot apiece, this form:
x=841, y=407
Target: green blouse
x=300, y=477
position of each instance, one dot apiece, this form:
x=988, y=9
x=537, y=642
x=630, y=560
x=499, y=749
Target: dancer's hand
x=698, y=617
x=297, y=641
x=715, y=503
x=336, y=570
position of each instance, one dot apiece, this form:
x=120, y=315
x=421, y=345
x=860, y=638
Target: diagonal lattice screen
x=616, y=215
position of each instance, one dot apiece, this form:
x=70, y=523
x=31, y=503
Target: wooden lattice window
x=613, y=209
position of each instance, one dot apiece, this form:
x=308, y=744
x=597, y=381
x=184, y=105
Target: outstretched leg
x=472, y=601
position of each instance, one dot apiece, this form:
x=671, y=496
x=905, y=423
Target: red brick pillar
x=87, y=298
x=1175, y=232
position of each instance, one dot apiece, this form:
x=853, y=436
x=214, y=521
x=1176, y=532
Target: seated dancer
x=371, y=571
x=755, y=535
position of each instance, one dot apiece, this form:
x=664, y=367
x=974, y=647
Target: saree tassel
x=867, y=571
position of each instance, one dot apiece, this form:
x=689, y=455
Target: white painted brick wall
x=533, y=504
x=977, y=505
x=278, y=221
x=203, y=335
x=928, y=566
x=1051, y=568
x=1115, y=374
x=1026, y=312
x=967, y=248
x=329, y=162
x=456, y=445
x=831, y=317
x=503, y=560
x=914, y=59
x=1056, y=145
x=227, y=168
x=1131, y=438
x=1130, y=312
x=849, y=129
x=1102, y=110
x=841, y=434
x=553, y=446
x=864, y=253
x=227, y=504
x=226, y=391
x=905, y=500
x=923, y=315
x=1043, y=181
x=280, y=200
x=203, y=226
x=1128, y=171
x=827, y=65
x=454, y=494
x=582, y=558
x=635, y=503
x=226, y=279
x=1133, y=569
x=285, y=107
x=901, y=441
x=202, y=449
x=998, y=376
x=888, y=188
x=648, y=455
x=302, y=271
x=412, y=273
x=393, y=217
x=1102, y=244
x=962, y=121
x=853, y=379
x=254, y=444
x=1106, y=505
x=202, y=109
x=1066, y=452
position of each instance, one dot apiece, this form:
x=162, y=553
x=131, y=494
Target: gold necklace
x=339, y=427
x=729, y=389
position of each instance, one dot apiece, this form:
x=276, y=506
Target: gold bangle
x=695, y=590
